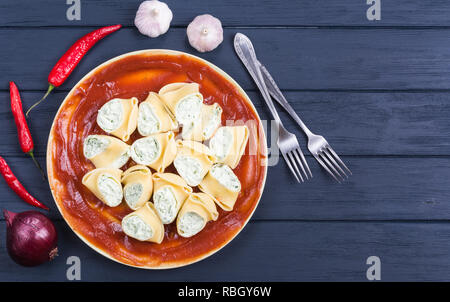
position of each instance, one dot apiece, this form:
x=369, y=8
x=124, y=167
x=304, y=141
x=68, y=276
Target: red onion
x=30, y=237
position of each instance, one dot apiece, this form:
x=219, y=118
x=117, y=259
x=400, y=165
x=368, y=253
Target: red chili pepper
x=17, y=187
x=25, y=139
x=72, y=57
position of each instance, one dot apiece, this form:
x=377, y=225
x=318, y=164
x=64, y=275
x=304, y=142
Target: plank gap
x=252, y=26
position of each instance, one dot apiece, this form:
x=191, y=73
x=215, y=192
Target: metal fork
x=317, y=145
x=287, y=142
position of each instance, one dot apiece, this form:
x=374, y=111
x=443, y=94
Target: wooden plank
x=354, y=123
x=380, y=189
x=330, y=251
x=232, y=12
x=298, y=58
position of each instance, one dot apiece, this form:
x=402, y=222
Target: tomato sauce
x=100, y=225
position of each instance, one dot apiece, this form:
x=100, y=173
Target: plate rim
x=49, y=161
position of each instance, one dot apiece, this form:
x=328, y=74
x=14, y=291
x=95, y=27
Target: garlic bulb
x=205, y=33
x=153, y=18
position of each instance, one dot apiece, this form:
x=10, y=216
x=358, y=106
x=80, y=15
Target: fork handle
x=279, y=97
x=246, y=52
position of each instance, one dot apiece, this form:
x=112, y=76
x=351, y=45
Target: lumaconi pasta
x=206, y=126
x=119, y=117
x=228, y=144
x=156, y=151
x=197, y=210
x=169, y=193
x=105, y=184
x=172, y=94
x=106, y=151
x=153, y=116
x=185, y=102
x=144, y=224
x=211, y=120
x=222, y=185
x=138, y=186
x=197, y=164
x=193, y=161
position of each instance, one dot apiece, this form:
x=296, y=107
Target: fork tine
x=300, y=163
x=295, y=165
x=330, y=165
x=290, y=167
x=339, y=159
x=326, y=168
x=305, y=163
x=334, y=162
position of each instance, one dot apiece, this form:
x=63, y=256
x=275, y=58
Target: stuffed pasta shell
x=206, y=126
x=197, y=210
x=169, y=193
x=193, y=161
x=137, y=186
x=106, y=151
x=144, y=224
x=156, y=151
x=153, y=116
x=228, y=144
x=105, y=184
x=119, y=117
x=222, y=185
x=185, y=103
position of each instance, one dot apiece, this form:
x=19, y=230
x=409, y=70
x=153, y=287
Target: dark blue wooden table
x=379, y=91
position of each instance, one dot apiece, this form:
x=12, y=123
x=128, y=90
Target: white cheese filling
x=110, y=115
x=188, y=112
x=221, y=143
x=135, y=227
x=94, y=145
x=110, y=189
x=132, y=193
x=121, y=160
x=148, y=123
x=190, y=224
x=212, y=124
x=189, y=168
x=145, y=151
x=188, y=127
x=226, y=177
x=165, y=204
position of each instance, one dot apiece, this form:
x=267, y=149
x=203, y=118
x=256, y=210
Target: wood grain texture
x=298, y=251
x=354, y=123
x=380, y=189
x=378, y=91
x=233, y=12
x=338, y=59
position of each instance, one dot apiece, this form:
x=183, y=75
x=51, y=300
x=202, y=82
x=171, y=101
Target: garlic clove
x=153, y=18
x=205, y=33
